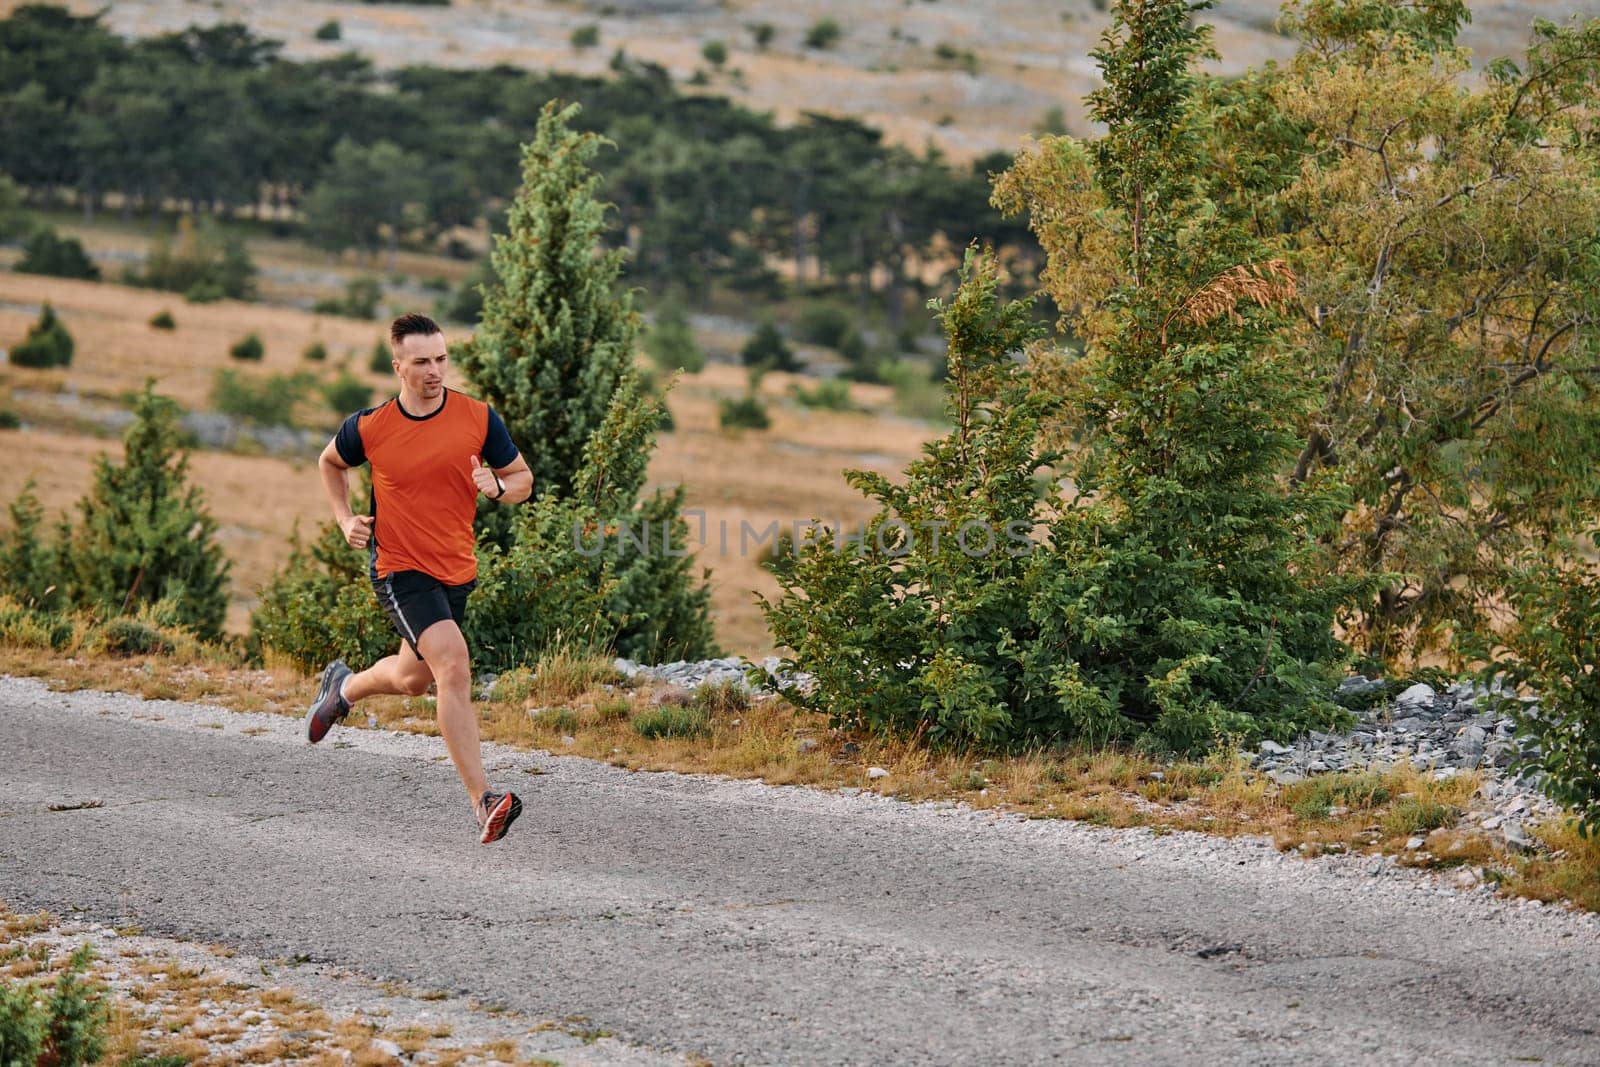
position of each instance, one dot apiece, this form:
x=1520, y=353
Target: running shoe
x=496, y=812
x=329, y=706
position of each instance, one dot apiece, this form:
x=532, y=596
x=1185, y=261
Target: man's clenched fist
x=358, y=530
x=486, y=481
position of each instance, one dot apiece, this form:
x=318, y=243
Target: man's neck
x=416, y=405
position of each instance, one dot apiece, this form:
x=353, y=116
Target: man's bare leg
x=401, y=674
x=445, y=651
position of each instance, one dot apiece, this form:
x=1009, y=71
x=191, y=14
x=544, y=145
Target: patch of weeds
x=1317, y=797
x=1412, y=815
x=972, y=780
x=614, y=709
x=563, y=720
x=720, y=698
x=565, y=673
x=673, y=720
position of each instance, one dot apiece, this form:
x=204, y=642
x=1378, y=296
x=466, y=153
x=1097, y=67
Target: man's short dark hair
x=411, y=323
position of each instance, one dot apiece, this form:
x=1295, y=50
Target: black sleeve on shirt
x=348, y=440
x=498, y=451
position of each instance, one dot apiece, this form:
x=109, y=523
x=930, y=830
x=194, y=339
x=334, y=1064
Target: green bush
x=767, y=348
x=64, y=1027
x=10, y=420
x=585, y=37
x=916, y=394
x=382, y=360
x=832, y=394
x=131, y=637
x=320, y=606
x=360, y=300
x=762, y=34
x=48, y=343
x=330, y=31
x=200, y=262
x=248, y=347
x=715, y=53
x=670, y=342
x=265, y=401
x=316, y=352
x=824, y=324
x=673, y=720
x=347, y=393
x=1552, y=649
x=31, y=572
x=47, y=252
x=746, y=412
x=163, y=320
x=823, y=34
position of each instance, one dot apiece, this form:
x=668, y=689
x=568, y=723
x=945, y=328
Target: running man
x=432, y=450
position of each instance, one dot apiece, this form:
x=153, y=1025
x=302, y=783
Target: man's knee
x=415, y=682
x=446, y=653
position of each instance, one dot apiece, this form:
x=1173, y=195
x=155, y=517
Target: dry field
x=791, y=472
x=1030, y=56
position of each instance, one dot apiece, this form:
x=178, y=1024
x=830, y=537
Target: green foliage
x=746, y=412
x=249, y=348
x=320, y=606
x=715, y=53
x=265, y=401
x=64, y=1026
x=360, y=301
x=964, y=58
x=145, y=534
x=824, y=324
x=329, y=31
x=916, y=394
x=347, y=393
x=367, y=197
x=1552, y=649
x=200, y=262
x=832, y=394
x=381, y=361
x=586, y=36
x=15, y=218
x=762, y=34
x=670, y=342
x=163, y=320
x=673, y=720
x=823, y=34
x=24, y=1024
x=767, y=348
x=47, y=252
x=315, y=352
x=10, y=420
x=48, y=344
x=30, y=571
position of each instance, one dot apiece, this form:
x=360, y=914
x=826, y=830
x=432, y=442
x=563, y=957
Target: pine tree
x=556, y=332
x=554, y=354
x=145, y=534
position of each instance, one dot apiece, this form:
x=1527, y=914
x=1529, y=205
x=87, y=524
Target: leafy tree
x=145, y=533
x=366, y=198
x=48, y=344
x=1448, y=320
x=715, y=53
x=201, y=262
x=47, y=252
x=30, y=569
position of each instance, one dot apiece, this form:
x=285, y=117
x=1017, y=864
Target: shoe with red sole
x=329, y=706
x=496, y=812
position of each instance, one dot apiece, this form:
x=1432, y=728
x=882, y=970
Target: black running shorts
x=415, y=601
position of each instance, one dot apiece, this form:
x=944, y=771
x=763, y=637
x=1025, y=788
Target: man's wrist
x=499, y=485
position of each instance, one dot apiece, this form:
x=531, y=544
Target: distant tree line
x=217, y=120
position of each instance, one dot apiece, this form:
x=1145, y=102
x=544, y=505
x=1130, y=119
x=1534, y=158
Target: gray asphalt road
x=751, y=924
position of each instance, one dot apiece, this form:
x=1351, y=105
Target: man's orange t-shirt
x=423, y=495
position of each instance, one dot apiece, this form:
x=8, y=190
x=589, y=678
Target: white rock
x=1417, y=695
x=1415, y=843
x=877, y=772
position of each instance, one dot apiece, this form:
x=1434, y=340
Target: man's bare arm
x=515, y=476
x=336, y=481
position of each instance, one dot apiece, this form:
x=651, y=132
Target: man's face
x=421, y=360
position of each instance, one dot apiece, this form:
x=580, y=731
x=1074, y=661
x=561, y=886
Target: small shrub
x=1316, y=797
x=672, y=720
x=824, y=324
x=564, y=673
x=832, y=394
x=249, y=347
x=360, y=300
x=78, y=1014
x=131, y=637
x=163, y=320
x=206, y=292
x=614, y=709
x=381, y=360
x=316, y=352
x=916, y=394
x=199, y=261
x=762, y=34
x=329, y=31
x=746, y=412
x=48, y=343
x=10, y=420
x=23, y=1024
x=715, y=53
x=721, y=698
x=585, y=37
x=268, y=401
x=823, y=34
x=767, y=348
x=561, y=720
x=347, y=393
x=47, y=252
x=670, y=342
